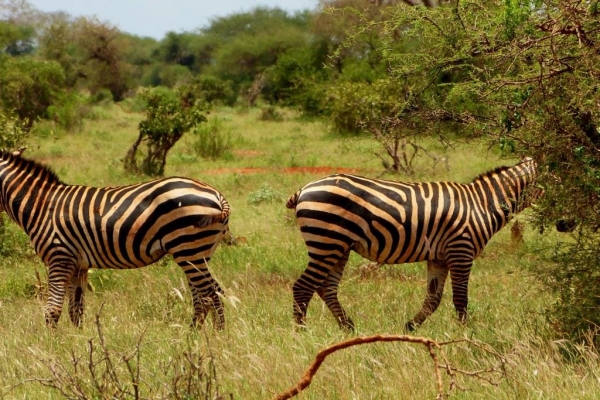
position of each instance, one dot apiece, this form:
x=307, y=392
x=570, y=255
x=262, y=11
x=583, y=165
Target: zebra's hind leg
x=329, y=293
x=206, y=292
x=437, y=272
x=76, y=295
x=58, y=277
x=311, y=279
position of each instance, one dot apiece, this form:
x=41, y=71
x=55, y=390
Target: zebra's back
x=384, y=221
x=130, y=226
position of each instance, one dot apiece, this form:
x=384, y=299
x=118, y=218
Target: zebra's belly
x=120, y=260
x=397, y=255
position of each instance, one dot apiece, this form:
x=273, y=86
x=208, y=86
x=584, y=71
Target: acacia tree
x=168, y=116
x=524, y=73
x=370, y=96
x=103, y=65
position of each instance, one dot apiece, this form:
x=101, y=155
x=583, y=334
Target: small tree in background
x=29, y=87
x=168, y=116
x=103, y=61
x=393, y=115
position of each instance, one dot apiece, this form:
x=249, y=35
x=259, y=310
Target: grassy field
x=144, y=314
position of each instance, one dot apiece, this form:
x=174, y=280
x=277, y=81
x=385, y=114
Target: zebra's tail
x=293, y=200
x=225, y=210
x=207, y=220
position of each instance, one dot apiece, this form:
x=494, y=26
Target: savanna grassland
x=144, y=314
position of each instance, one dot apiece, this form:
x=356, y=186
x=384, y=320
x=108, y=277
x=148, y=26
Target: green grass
x=261, y=353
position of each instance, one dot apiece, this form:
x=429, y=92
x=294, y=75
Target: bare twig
x=435, y=352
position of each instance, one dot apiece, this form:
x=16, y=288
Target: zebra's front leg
x=437, y=272
x=329, y=294
x=58, y=277
x=460, y=290
x=76, y=296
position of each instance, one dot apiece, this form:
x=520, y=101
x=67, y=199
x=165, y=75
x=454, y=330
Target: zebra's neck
x=25, y=187
x=503, y=193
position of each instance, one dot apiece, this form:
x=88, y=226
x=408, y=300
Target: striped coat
x=74, y=228
x=446, y=224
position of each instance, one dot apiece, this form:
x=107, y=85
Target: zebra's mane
x=495, y=171
x=35, y=167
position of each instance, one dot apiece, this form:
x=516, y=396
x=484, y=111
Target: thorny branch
x=436, y=353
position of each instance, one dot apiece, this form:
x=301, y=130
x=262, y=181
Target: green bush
x=29, y=87
x=270, y=113
x=174, y=75
x=215, y=90
x=13, y=132
x=69, y=112
x=212, y=140
x=102, y=95
x=169, y=115
x=265, y=194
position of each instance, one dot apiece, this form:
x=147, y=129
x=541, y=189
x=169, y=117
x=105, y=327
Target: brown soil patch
x=249, y=153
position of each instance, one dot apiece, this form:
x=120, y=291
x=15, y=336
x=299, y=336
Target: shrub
x=270, y=113
x=265, y=194
x=215, y=90
x=13, y=132
x=29, y=87
x=168, y=116
x=212, y=140
x=69, y=112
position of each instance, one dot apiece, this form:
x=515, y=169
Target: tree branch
x=435, y=352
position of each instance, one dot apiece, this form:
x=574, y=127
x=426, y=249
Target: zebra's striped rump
x=446, y=224
x=74, y=228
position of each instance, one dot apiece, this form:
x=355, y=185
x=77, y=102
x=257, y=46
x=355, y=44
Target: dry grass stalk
x=435, y=351
x=100, y=373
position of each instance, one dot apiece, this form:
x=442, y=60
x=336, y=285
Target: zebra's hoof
x=347, y=326
x=410, y=326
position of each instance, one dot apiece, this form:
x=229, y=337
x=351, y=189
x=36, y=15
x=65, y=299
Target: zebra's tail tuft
x=225, y=210
x=293, y=200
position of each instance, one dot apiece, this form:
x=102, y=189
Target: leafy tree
x=16, y=40
x=103, y=65
x=57, y=42
x=168, y=116
x=298, y=78
x=29, y=87
x=175, y=49
x=213, y=89
x=523, y=73
x=138, y=53
x=243, y=46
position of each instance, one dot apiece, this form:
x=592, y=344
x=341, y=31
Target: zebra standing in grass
x=446, y=224
x=74, y=228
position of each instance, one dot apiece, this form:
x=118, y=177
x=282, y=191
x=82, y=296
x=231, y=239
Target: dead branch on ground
x=436, y=353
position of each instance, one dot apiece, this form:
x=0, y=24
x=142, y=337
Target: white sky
x=155, y=18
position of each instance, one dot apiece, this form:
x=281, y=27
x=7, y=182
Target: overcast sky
x=155, y=18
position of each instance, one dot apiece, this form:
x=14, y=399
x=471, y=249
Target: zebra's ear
x=525, y=159
x=17, y=153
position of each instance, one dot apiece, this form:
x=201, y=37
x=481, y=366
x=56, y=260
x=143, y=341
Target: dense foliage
x=525, y=74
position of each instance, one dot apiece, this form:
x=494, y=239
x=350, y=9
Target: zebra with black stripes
x=74, y=228
x=446, y=224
